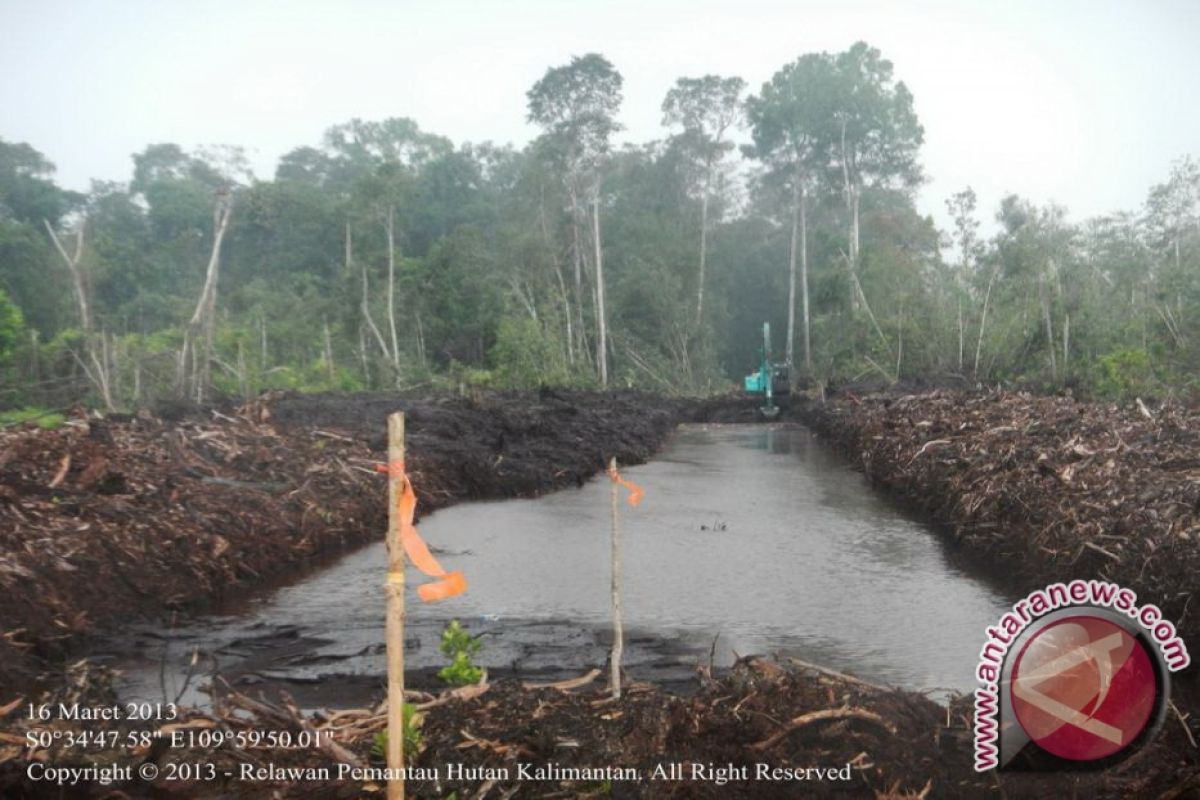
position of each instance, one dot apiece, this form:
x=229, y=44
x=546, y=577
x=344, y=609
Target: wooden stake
x=395, y=610
x=618, y=646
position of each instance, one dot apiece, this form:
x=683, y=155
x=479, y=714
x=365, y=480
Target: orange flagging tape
x=635, y=491
x=451, y=583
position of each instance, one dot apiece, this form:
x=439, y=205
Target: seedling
x=414, y=742
x=461, y=648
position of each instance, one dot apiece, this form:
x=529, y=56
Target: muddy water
x=756, y=533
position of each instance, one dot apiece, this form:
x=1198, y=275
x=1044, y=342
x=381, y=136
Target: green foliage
x=12, y=323
x=1125, y=374
x=525, y=357
x=48, y=420
x=461, y=648
x=414, y=740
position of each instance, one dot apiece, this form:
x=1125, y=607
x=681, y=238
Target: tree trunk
x=987, y=296
x=960, y=335
x=192, y=375
x=77, y=282
x=804, y=278
x=791, y=317
x=850, y=193
x=562, y=286
x=366, y=300
x=703, y=246
x=391, y=298
x=576, y=255
x=420, y=338
x=601, y=328
x=1044, y=294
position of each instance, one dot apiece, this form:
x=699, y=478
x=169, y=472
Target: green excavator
x=771, y=379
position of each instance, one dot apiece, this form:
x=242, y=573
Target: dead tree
x=72, y=262
x=96, y=368
x=193, y=368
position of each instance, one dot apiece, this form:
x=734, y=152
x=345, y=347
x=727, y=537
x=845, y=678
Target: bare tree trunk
x=362, y=356
x=391, y=298
x=366, y=300
x=804, y=278
x=601, y=328
x=562, y=286
x=77, y=282
x=850, y=192
x=987, y=296
x=1044, y=296
x=420, y=337
x=576, y=254
x=703, y=245
x=791, y=320
x=193, y=366
x=960, y=334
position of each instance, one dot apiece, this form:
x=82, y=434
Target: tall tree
x=966, y=241
x=872, y=136
x=576, y=105
x=706, y=108
x=787, y=119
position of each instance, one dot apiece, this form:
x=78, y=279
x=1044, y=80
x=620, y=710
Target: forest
x=386, y=256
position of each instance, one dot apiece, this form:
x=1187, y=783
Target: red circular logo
x=1083, y=688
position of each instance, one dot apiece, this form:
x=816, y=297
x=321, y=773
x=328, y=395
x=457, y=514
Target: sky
x=1085, y=104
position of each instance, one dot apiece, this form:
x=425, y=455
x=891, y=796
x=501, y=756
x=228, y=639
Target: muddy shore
x=107, y=520
x=1040, y=489
x=1016, y=481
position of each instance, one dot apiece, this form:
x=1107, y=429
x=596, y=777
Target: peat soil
x=107, y=520
x=1043, y=488
x=1038, y=489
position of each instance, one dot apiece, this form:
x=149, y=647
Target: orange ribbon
x=451, y=583
x=635, y=491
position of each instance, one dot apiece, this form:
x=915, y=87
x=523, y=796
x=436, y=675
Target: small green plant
x=49, y=420
x=414, y=742
x=461, y=648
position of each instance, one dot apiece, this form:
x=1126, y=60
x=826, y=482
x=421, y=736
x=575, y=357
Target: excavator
x=771, y=379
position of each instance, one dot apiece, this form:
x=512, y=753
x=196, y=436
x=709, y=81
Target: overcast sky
x=1082, y=103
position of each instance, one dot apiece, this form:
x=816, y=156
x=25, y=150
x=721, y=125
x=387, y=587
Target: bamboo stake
x=618, y=646
x=395, y=611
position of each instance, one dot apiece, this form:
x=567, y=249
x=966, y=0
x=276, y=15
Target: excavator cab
x=769, y=379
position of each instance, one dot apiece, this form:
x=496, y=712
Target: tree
x=872, y=137
x=706, y=108
x=576, y=105
x=787, y=120
x=961, y=207
x=193, y=375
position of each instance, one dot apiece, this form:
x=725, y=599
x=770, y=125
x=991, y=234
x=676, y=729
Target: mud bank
x=1041, y=489
x=107, y=520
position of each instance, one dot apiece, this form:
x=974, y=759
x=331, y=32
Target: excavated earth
x=107, y=519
